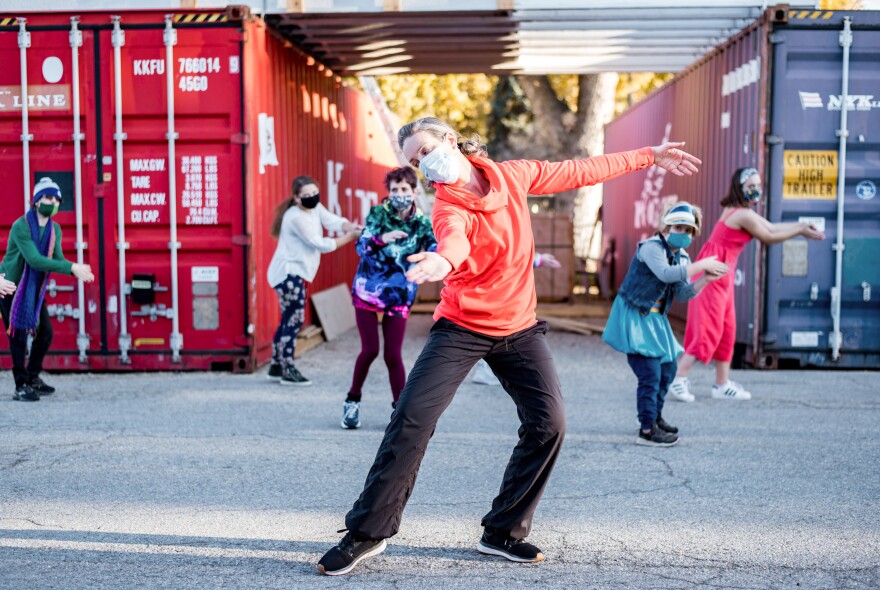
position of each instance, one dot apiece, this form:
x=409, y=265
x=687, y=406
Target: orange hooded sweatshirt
x=489, y=240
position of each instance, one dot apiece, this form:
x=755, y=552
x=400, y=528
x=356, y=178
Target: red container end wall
x=249, y=115
x=716, y=107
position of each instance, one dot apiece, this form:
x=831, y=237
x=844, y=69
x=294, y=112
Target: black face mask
x=310, y=202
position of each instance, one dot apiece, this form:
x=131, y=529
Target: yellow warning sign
x=810, y=174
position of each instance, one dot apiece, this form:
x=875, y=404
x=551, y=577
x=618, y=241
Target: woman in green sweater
x=33, y=253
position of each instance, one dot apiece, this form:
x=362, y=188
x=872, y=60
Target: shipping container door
x=50, y=154
x=205, y=72
x=804, y=171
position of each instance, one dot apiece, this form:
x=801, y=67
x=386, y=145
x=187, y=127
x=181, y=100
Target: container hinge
x=238, y=13
x=841, y=132
x=240, y=138
x=771, y=139
x=777, y=39
x=120, y=136
x=842, y=247
x=174, y=135
x=123, y=245
x=769, y=338
x=77, y=136
x=244, y=240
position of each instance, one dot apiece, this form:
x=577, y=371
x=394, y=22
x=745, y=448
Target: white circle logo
x=53, y=69
x=739, y=278
x=866, y=190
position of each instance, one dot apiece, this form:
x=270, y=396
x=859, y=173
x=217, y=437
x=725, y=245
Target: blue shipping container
x=796, y=95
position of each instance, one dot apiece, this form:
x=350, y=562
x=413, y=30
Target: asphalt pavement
x=213, y=480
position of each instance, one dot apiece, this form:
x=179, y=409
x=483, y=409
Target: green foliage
x=462, y=100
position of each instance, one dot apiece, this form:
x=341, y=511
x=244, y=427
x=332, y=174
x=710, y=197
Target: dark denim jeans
x=654, y=380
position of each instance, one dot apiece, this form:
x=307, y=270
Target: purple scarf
x=32, y=287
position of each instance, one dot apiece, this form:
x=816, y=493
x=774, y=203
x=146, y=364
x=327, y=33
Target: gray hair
x=473, y=146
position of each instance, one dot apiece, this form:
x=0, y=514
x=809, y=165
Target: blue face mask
x=679, y=240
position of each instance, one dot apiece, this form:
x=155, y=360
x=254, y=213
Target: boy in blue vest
x=638, y=326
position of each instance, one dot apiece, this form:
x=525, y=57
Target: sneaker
x=351, y=415
x=730, y=390
x=665, y=426
x=501, y=544
x=41, y=387
x=275, y=372
x=25, y=393
x=656, y=438
x=679, y=390
x=292, y=376
x=483, y=375
x=350, y=552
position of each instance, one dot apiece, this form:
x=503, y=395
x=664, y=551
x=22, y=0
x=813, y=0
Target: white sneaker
x=679, y=390
x=730, y=390
x=483, y=374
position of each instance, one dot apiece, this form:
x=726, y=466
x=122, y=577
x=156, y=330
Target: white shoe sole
x=372, y=552
x=680, y=398
x=271, y=378
x=647, y=443
x=346, y=427
x=487, y=550
x=292, y=384
x=733, y=398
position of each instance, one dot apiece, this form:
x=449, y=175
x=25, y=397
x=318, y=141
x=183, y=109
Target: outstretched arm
x=774, y=233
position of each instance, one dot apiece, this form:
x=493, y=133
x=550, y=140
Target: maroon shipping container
x=172, y=206
x=770, y=98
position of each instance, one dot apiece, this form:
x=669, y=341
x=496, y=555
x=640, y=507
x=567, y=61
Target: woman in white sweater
x=298, y=224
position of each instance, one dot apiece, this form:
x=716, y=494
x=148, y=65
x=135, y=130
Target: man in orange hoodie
x=487, y=310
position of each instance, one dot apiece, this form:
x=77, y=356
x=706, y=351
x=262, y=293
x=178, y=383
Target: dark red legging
x=393, y=331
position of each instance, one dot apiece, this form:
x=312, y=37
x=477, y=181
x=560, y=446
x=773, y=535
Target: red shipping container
x=172, y=206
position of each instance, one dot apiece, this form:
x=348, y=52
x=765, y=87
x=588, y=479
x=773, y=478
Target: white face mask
x=441, y=166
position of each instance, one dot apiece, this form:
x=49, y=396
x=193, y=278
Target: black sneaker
x=501, y=544
x=656, y=438
x=292, y=376
x=665, y=426
x=350, y=552
x=275, y=372
x=25, y=393
x=41, y=387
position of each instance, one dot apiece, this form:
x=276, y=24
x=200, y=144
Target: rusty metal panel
x=716, y=106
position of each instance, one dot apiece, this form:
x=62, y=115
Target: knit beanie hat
x=46, y=187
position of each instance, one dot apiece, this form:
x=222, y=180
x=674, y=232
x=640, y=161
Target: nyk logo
x=854, y=102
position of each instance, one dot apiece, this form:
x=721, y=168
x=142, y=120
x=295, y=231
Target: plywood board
x=335, y=311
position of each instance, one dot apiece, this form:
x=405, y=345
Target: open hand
x=6, y=287
x=810, y=232
x=671, y=157
x=431, y=267
x=83, y=272
x=393, y=236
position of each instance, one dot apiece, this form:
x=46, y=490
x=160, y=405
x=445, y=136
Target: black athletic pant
x=523, y=363
x=18, y=344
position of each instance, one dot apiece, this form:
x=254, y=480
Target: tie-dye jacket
x=380, y=283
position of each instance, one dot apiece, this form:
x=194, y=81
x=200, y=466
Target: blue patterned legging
x=292, y=297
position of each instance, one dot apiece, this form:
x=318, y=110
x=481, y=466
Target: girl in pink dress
x=711, y=318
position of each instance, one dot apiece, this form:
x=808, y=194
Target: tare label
x=147, y=190
x=206, y=274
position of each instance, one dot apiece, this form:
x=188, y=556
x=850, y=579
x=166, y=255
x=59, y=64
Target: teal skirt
x=630, y=332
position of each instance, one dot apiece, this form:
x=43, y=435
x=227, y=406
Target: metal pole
x=837, y=291
x=82, y=339
x=170, y=38
x=24, y=43
x=119, y=137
